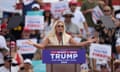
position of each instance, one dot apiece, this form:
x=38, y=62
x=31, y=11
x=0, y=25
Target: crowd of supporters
x=79, y=24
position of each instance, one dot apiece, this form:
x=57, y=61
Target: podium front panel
x=63, y=67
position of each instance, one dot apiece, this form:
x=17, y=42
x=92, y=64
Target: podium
x=64, y=67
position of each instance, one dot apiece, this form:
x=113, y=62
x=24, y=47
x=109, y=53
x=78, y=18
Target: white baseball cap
x=67, y=12
x=28, y=61
x=36, y=5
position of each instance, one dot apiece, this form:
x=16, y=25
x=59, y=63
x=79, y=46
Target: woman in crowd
x=15, y=55
x=108, y=12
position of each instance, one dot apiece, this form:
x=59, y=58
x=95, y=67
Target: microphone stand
x=61, y=34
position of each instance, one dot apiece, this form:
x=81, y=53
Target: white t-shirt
x=78, y=19
x=3, y=69
x=2, y=42
x=13, y=69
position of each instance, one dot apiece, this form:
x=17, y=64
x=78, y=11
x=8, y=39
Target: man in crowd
x=87, y=9
x=7, y=67
x=78, y=18
x=71, y=28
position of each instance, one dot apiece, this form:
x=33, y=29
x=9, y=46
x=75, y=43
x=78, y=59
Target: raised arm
x=73, y=42
x=40, y=45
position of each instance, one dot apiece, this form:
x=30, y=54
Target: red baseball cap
x=73, y=3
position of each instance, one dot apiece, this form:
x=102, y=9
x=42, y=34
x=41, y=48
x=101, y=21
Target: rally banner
x=96, y=14
x=57, y=8
x=34, y=22
x=25, y=48
x=64, y=56
x=100, y=51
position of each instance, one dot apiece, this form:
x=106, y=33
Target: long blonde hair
x=52, y=33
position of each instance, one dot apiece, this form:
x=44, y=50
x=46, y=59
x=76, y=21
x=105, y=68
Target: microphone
x=61, y=37
x=60, y=33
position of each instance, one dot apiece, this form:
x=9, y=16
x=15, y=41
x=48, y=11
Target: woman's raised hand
x=30, y=42
x=92, y=40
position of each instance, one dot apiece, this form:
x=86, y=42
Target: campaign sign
x=100, y=51
x=96, y=14
x=24, y=47
x=64, y=56
x=58, y=8
x=34, y=22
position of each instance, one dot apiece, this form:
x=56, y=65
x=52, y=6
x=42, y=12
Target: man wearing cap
x=35, y=7
x=27, y=66
x=29, y=6
x=7, y=67
x=6, y=33
x=78, y=18
x=3, y=47
x=71, y=28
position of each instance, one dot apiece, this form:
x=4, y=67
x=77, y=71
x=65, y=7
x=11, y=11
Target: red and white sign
x=34, y=22
x=25, y=48
x=57, y=8
x=96, y=14
x=100, y=51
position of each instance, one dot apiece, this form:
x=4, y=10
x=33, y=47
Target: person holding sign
x=58, y=36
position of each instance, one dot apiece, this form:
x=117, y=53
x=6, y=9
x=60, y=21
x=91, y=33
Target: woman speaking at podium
x=58, y=36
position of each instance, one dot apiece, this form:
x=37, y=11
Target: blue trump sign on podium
x=64, y=56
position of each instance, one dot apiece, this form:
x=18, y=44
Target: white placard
x=96, y=14
x=25, y=48
x=26, y=2
x=57, y=8
x=34, y=22
x=8, y=5
x=100, y=51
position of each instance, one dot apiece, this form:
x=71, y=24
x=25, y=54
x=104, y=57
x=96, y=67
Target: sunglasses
x=106, y=10
x=68, y=16
x=60, y=26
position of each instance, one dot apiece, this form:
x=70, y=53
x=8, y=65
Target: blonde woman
x=58, y=36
